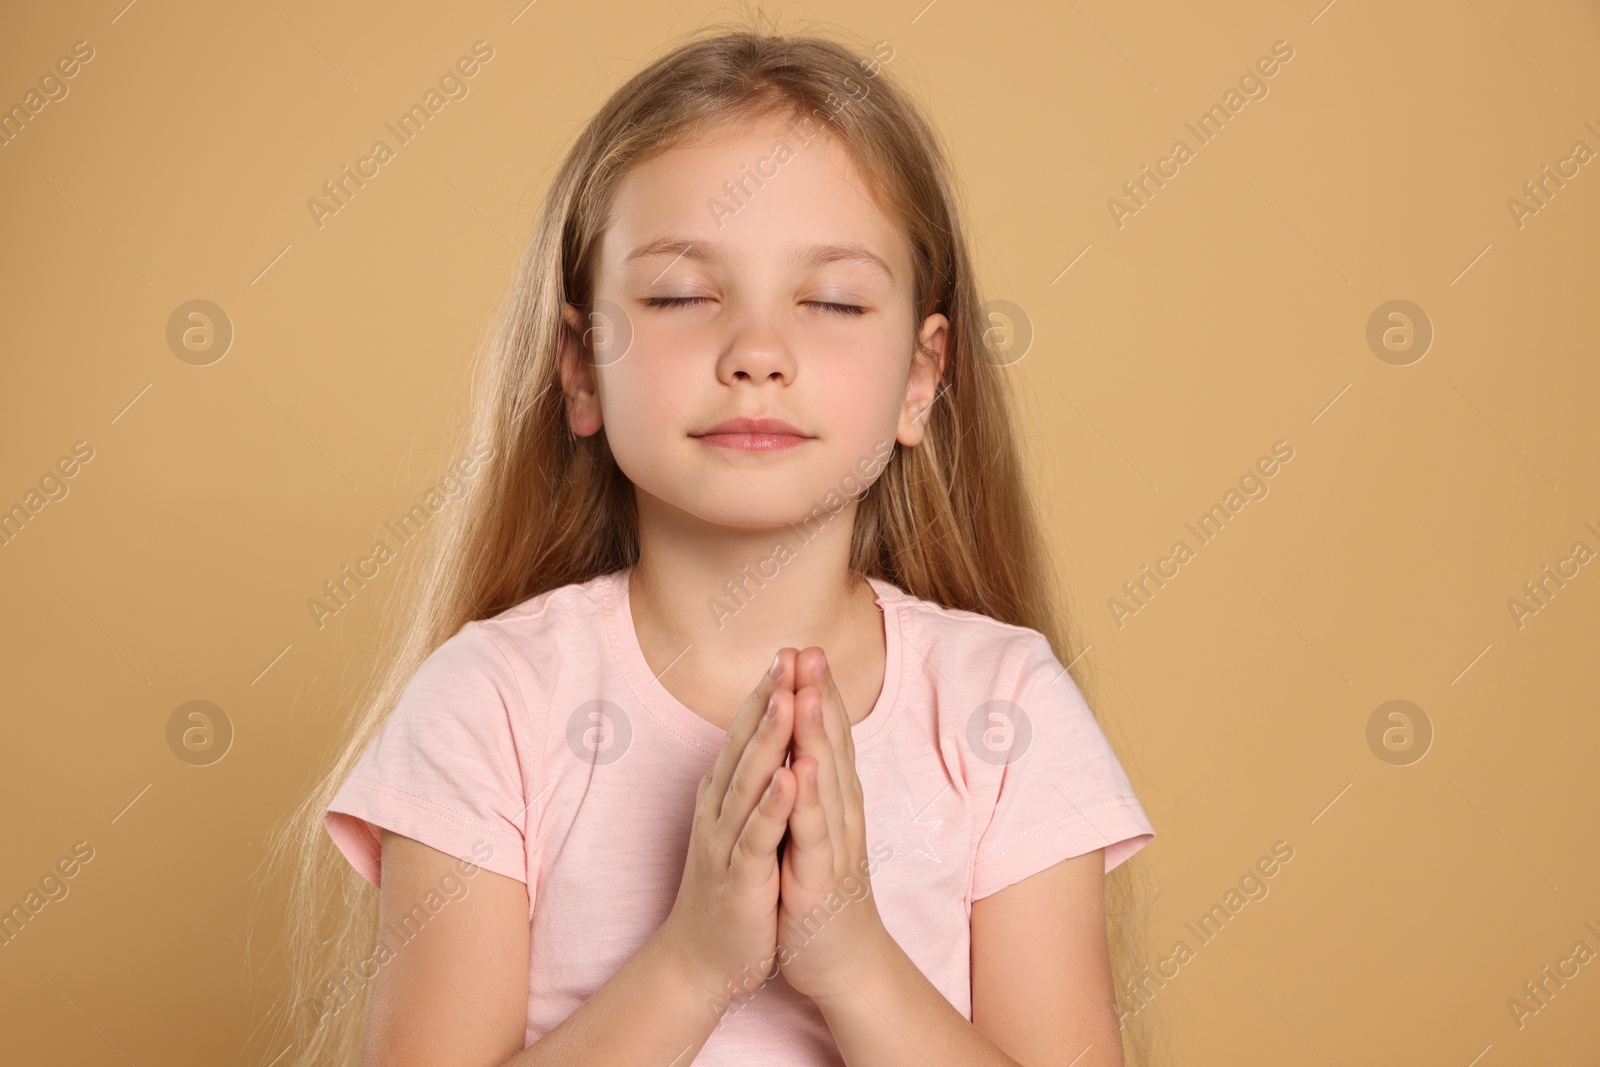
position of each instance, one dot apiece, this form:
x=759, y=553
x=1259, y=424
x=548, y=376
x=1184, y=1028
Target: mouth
x=753, y=435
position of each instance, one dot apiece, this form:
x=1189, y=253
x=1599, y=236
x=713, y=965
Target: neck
x=735, y=595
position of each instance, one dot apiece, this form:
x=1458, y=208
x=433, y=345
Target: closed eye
x=686, y=301
x=672, y=301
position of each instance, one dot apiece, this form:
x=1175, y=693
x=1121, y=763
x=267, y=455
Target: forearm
x=895, y=1017
x=651, y=1012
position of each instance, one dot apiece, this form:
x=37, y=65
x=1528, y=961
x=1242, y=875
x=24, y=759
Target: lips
x=753, y=435
x=746, y=425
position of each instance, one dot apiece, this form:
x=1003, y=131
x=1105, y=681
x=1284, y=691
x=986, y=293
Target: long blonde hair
x=950, y=520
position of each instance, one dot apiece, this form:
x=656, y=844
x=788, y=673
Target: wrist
x=673, y=955
x=706, y=987
x=877, y=964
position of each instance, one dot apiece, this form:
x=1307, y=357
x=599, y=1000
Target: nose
x=757, y=353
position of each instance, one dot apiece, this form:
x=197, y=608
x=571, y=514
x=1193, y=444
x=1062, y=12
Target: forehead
x=756, y=190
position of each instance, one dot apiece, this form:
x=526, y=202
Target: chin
x=736, y=505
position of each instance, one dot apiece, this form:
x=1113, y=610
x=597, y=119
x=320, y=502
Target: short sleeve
x=1061, y=791
x=445, y=769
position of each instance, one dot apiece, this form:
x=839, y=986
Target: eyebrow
x=714, y=253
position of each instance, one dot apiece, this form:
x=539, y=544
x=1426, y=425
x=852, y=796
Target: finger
x=810, y=854
x=756, y=850
x=836, y=774
x=845, y=749
x=835, y=698
x=813, y=742
x=811, y=668
x=763, y=755
x=745, y=722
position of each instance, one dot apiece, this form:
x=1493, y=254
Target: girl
x=727, y=721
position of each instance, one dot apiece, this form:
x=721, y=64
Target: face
x=787, y=302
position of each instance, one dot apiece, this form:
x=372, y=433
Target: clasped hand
x=828, y=920
x=776, y=871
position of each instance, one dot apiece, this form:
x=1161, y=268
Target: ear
x=922, y=383
x=578, y=381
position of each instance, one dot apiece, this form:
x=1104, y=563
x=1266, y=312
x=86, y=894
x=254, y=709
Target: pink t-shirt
x=537, y=745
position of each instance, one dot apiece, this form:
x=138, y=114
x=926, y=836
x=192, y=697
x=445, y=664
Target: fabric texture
x=537, y=745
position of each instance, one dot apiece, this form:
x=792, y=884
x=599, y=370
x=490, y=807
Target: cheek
x=644, y=403
x=868, y=371
x=858, y=403
x=864, y=382
x=632, y=403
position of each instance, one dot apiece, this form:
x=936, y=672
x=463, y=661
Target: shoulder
x=513, y=656
x=560, y=625
x=951, y=643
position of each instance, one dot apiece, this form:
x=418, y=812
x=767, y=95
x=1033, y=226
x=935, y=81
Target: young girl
x=726, y=722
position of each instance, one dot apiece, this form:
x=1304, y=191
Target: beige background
x=1228, y=313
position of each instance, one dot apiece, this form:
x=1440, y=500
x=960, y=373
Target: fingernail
x=822, y=669
x=772, y=790
x=777, y=666
x=772, y=706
